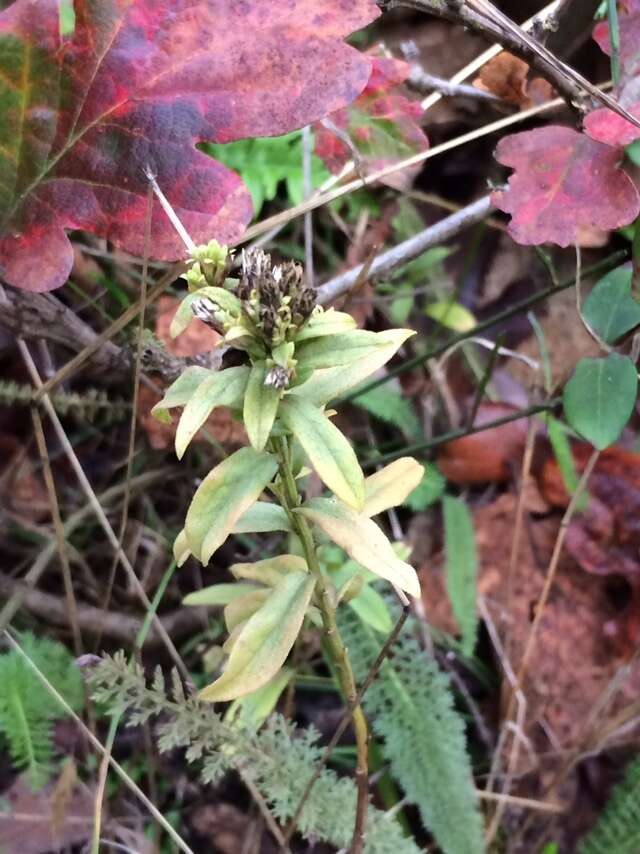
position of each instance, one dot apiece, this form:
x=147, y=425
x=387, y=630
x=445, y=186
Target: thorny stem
x=291, y=500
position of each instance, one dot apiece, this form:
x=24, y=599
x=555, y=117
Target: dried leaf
x=391, y=485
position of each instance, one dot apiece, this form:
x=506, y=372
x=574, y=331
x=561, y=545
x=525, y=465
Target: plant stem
x=291, y=500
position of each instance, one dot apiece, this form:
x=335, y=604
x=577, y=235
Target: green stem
x=337, y=650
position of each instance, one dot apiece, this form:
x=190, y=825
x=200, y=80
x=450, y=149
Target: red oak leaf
x=379, y=128
x=563, y=181
x=142, y=82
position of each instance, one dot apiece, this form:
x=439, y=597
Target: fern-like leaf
x=388, y=404
x=27, y=712
x=618, y=828
x=410, y=706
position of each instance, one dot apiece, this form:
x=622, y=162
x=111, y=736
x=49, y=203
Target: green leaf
x=181, y=550
x=368, y=604
x=252, y=710
x=260, y=406
x=264, y=643
x=362, y=540
x=179, y=393
x=329, y=322
x=452, y=315
x=242, y=607
x=328, y=450
x=184, y=315
x=461, y=568
x=329, y=383
x=429, y=491
x=391, y=485
x=223, y=496
x=262, y=518
x=610, y=310
x=344, y=348
x=389, y=405
x=269, y=571
x=564, y=457
x=218, y=594
x=600, y=397
x=222, y=388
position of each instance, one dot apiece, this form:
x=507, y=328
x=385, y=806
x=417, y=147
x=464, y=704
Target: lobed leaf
x=222, y=388
x=599, y=398
x=135, y=86
x=263, y=644
x=223, y=496
x=563, y=181
x=391, y=485
x=329, y=451
x=260, y=406
x=362, y=540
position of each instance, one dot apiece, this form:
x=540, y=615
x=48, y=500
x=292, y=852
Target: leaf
x=362, y=540
x=391, y=485
x=340, y=349
x=328, y=450
x=381, y=126
x=180, y=392
x=222, y=388
x=368, y=604
x=329, y=322
x=331, y=383
x=563, y=181
x=223, y=496
x=137, y=84
x=252, y=710
x=218, y=594
x=452, y=315
x=611, y=128
x=196, y=339
x=241, y=608
x=270, y=570
x=629, y=30
x=461, y=568
x=599, y=398
x=262, y=518
x=260, y=406
x=610, y=310
x=430, y=489
x=264, y=643
x=388, y=404
x=184, y=315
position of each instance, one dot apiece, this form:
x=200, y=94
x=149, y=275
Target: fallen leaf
x=379, y=128
x=197, y=337
x=23, y=490
x=506, y=76
x=138, y=84
x=563, y=180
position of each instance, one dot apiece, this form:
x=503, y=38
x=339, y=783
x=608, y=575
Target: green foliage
x=265, y=163
x=461, y=568
x=279, y=759
x=27, y=711
x=599, y=398
x=610, y=310
x=389, y=405
x=410, y=707
x=618, y=828
x=430, y=489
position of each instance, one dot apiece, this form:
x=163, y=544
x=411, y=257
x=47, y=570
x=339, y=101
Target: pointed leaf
x=362, y=540
x=180, y=392
x=181, y=550
x=261, y=518
x=219, y=594
x=222, y=388
x=137, y=85
x=242, y=607
x=344, y=348
x=253, y=710
x=599, y=398
x=269, y=571
x=328, y=322
x=330, y=453
x=610, y=309
x=391, y=485
x=331, y=383
x=264, y=643
x=461, y=568
x=260, y=406
x=223, y=496
x=184, y=315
